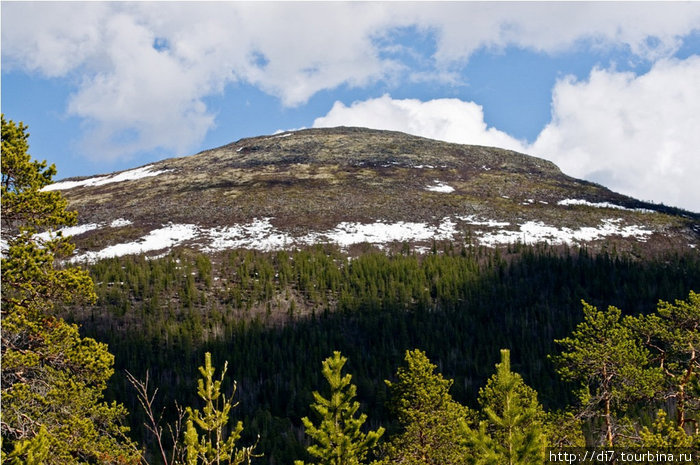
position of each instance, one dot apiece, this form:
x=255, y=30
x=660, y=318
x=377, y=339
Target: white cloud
x=142, y=70
x=451, y=120
x=143, y=98
x=557, y=26
x=634, y=134
x=50, y=37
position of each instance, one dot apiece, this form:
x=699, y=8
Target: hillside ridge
x=350, y=186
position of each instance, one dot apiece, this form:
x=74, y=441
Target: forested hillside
x=276, y=316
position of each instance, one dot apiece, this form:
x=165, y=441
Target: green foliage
x=672, y=335
x=34, y=451
x=512, y=430
x=30, y=280
x=338, y=436
x=434, y=426
x=52, y=379
x=664, y=434
x=564, y=429
x=24, y=205
x=213, y=445
x=611, y=366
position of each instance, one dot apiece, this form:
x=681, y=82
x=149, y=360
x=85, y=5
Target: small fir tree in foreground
x=512, y=429
x=207, y=439
x=434, y=425
x=213, y=446
x=339, y=440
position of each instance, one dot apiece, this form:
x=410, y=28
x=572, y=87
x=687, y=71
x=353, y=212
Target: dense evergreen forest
x=275, y=316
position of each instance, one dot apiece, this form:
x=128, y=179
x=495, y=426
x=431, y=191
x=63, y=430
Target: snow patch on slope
x=119, y=223
x=261, y=234
x=536, y=231
x=440, y=186
x=601, y=205
x=346, y=234
x=279, y=136
x=138, y=173
x=473, y=219
x=163, y=238
x=68, y=231
x=80, y=229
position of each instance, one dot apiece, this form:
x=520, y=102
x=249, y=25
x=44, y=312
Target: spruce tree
x=338, y=436
x=52, y=378
x=434, y=426
x=512, y=429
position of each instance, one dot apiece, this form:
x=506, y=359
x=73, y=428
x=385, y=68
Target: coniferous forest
x=460, y=355
x=274, y=317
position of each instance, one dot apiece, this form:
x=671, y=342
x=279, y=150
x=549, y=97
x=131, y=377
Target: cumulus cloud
x=451, y=120
x=649, y=30
x=143, y=70
x=634, y=134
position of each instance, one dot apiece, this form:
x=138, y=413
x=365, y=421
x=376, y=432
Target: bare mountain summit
x=350, y=186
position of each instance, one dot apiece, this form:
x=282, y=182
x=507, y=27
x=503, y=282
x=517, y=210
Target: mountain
x=351, y=186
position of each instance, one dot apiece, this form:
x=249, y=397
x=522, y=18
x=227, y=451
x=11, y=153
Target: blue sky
x=608, y=91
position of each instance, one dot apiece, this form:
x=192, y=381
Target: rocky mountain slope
x=351, y=186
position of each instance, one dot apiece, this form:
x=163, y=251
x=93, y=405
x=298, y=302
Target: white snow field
x=261, y=234
x=138, y=173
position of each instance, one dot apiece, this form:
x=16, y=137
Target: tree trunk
x=608, y=422
x=680, y=415
x=608, y=413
